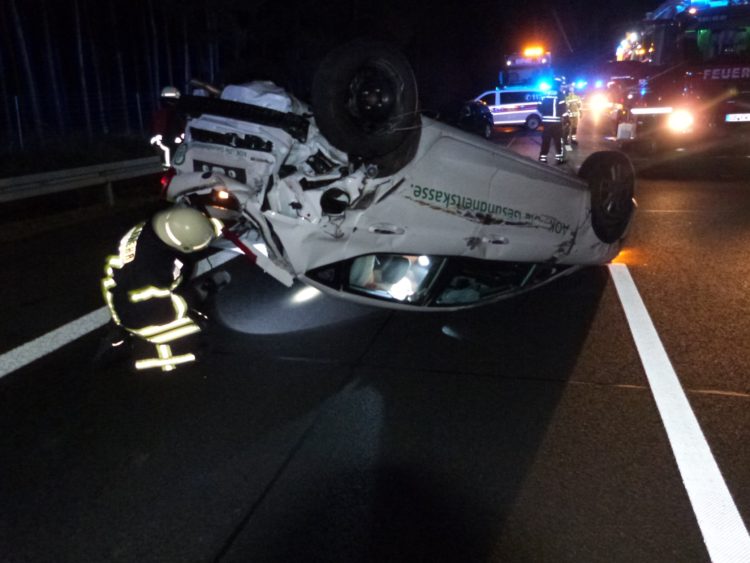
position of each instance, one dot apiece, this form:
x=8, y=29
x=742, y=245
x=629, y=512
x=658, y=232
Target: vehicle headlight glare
x=680, y=121
x=305, y=294
x=599, y=103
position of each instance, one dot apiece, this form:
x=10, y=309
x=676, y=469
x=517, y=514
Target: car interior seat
x=394, y=268
x=360, y=272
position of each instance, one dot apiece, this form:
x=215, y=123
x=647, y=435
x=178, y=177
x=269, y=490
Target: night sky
x=129, y=49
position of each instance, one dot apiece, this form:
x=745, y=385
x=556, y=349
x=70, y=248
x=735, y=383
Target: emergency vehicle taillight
x=165, y=181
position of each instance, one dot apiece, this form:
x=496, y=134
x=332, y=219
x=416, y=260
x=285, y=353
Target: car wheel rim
x=614, y=197
x=373, y=97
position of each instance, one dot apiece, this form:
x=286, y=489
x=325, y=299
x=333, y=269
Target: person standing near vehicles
x=167, y=128
x=144, y=285
x=573, y=104
x=553, y=109
x=566, y=132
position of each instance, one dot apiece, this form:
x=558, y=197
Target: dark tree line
x=98, y=67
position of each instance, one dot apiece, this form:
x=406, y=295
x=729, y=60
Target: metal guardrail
x=32, y=185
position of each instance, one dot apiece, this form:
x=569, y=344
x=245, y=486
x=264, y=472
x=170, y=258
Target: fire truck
x=695, y=91
x=531, y=67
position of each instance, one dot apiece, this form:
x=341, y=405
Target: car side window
x=467, y=281
x=512, y=97
x=520, y=97
x=488, y=98
x=394, y=277
x=471, y=281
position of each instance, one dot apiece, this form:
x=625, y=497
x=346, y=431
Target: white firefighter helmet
x=183, y=228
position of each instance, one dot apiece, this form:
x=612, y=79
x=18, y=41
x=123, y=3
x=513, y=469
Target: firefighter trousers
x=553, y=131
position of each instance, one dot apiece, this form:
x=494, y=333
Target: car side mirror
x=170, y=92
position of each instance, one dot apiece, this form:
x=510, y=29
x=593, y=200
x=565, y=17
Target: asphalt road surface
x=317, y=430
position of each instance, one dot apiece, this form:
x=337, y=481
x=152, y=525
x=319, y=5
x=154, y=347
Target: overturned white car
x=362, y=197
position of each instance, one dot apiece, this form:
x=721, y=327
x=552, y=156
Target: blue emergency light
x=710, y=3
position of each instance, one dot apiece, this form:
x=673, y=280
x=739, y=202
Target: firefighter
x=573, y=105
x=144, y=285
x=566, y=132
x=553, y=110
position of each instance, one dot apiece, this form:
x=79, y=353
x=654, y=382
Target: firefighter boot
x=114, y=347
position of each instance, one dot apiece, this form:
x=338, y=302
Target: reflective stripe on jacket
x=552, y=109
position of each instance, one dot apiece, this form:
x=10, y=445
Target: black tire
x=611, y=179
x=398, y=158
x=487, y=131
x=364, y=99
x=533, y=122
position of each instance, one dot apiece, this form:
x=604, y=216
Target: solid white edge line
x=31, y=351
x=724, y=532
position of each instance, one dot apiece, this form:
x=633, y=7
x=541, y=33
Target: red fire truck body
x=696, y=92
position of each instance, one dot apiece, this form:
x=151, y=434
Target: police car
x=514, y=105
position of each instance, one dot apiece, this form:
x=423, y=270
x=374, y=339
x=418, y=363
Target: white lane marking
x=724, y=532
x=31, y=351
x=64, y=335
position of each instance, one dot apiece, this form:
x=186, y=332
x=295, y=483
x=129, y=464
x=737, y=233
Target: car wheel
x=487, y=131
x=611, y=179
x=533, y=122
x=395, y=160
x=364, y=99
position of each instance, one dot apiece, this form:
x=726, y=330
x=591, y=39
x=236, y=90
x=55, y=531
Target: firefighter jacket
x=553, y=108
x=573, y=104
x=140, y=289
